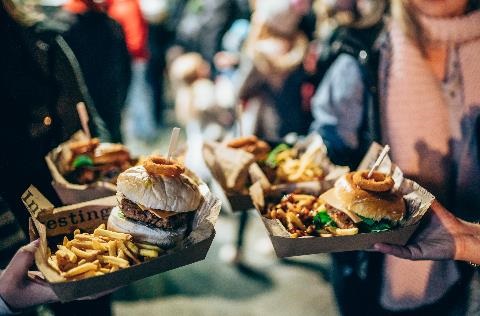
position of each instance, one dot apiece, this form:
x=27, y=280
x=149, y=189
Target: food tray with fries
x=353, y=215
x=243, y=161
x=79, y=257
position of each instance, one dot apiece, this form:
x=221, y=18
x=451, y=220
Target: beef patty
x=132, y=211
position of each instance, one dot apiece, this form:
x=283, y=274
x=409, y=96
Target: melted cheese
x=158, y=213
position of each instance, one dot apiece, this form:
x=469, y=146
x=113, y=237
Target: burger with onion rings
x=361, y=204
x=156, y=202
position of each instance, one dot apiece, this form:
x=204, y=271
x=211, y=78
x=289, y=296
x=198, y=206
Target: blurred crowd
x=402, y=72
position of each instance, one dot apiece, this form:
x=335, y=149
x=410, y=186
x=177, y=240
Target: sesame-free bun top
x=370, y=204
x=173, y=194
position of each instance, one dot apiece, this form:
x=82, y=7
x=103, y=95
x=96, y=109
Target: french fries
x=104, y=251
x=111, y=235
x=149, y=253
x=297, y=211
x=294, y=168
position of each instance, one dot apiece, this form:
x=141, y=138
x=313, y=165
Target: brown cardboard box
x=418, y=201
x=70, y=193
x=50, y=222
x=233, y=169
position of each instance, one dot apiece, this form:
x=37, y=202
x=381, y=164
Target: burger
x=361, y=203
x=89, y=161
x=156, y=202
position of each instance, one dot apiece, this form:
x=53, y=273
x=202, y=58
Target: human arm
x=337, y=108
x=442, y=237
x=17, y=289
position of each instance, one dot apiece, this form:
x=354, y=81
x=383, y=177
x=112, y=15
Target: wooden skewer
x=173, y=142
x=379, y=160
x=239, y=115
x=83, y=114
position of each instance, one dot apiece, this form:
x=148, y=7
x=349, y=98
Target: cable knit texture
x=431, y=142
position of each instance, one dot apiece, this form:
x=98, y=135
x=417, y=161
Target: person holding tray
x=416, y=89
x=19, y=291
x=442, y=237
x=40, y=85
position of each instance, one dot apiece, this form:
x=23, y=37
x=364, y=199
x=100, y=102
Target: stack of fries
x=104, y=251
x=292, y=168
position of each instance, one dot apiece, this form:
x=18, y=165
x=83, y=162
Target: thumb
x=18, y=267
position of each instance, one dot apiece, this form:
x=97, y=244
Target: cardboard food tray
x=244, y=168
x=240, y=202
x=49, y=222
x=418, y=200
x=70, y=193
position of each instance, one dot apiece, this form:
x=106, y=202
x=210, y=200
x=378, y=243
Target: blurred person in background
x=417, y=90
x=99, y=45
x=116, y=70
x=140, y=98
x=199, y=107
x=158, y=15
x=201, y=24
x=272, y=72
x=40, y=85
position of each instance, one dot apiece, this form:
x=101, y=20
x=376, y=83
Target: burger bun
x=374, y=205
x=172, y=194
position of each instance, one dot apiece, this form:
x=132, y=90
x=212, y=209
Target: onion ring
x=160, y=166
x=251, y=144
x=241, y=142
x=378, y=182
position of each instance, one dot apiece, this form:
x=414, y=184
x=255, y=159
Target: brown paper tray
x=240, y=202
x=247, y=169
x=70, y=193
x=289, y=247
x=49, y=222
x=68, y=291
x=418, y=201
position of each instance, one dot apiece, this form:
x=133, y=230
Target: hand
x=442, y=237
x=17, y=289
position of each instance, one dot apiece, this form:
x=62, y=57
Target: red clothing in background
x=127, y=13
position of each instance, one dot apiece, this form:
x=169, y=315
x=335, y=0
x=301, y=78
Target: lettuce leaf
x=371, y=226
x=322, y=219
x=82, y=161
x=272, y=156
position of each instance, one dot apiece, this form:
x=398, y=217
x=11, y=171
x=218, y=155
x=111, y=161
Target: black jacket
x=40, y=85
x=99, y=45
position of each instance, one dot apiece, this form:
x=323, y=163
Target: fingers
x=18, y=267
x=394, y=250
x=411, y=252
x=442, y=213
x=468, y=248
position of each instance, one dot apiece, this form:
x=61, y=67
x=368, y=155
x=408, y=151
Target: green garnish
x=371, y=226
x=322, y=219
x=82, y=161
x=272, y=156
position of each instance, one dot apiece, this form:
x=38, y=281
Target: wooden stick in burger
x=379, y=160
x=83, y=114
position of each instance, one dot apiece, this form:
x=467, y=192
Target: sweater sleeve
x=4, y=309
x=337, y=108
